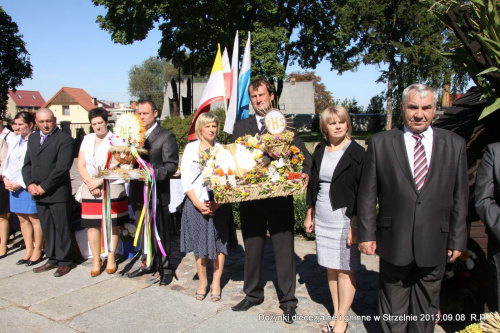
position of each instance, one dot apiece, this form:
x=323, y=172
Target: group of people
x=405, y=199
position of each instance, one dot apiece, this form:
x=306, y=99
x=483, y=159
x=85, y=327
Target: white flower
x=211, y=163
x=207, y=171
x=257, y=154
x=253, y=141
x=279, y=163
x=215, y=180
x=274, y=175
x=131, y=228
x=469, y=263
x=472, y=255
x=125, y=232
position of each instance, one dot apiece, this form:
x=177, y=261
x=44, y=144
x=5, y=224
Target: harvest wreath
x=253, y=168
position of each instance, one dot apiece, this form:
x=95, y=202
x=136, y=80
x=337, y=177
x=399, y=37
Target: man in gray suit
x=487, y=199
x=164, y=157
x=46, y=174
x=418, y=174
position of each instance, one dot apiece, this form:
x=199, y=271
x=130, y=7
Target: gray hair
x=421, y=90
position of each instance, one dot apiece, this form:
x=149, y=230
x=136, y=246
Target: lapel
x=344, y=162
x=152, y=137
x=51, y=138
x=252, y=126
x=398, y=143
x=438, y=145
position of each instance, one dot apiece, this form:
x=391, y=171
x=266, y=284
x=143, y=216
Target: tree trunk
x=389, y=96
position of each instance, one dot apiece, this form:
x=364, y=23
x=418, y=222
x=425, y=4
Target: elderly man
x=418, y=174
x=275, y=214
x=164, y=157
x=46, y=174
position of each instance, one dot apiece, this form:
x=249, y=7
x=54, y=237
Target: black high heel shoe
x=22, y=261
x=31, y=263
x=5, y=254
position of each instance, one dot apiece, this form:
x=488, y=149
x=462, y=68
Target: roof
x=67, y=95
x=27, y=98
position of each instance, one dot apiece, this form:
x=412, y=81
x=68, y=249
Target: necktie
x=42, y=139
x=262, y=126
x=420, y=162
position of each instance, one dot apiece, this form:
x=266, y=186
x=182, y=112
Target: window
x=66, y=110
x=20, y=97
x=34, y=97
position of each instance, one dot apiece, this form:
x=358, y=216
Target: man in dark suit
x=487, y=199
x=46, y=174
x=418, y=174
x=275, y=214
x=164, y=157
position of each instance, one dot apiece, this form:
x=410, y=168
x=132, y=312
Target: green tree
x=400, y=34
x=197, y=26
x=14, y=59
x=376, y=104
x=351, y=105
x=322, y=97
x=148, y=80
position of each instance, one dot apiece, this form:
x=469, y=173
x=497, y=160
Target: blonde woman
x=207, y=229
x=331, y=196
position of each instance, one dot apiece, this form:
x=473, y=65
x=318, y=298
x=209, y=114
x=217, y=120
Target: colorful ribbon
x=106, y=225
x=149, y=191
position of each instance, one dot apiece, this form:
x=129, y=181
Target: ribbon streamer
x=106, y=225
x=149, y=193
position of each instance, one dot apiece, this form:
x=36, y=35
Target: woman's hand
x=93, y=184
x=309, y=221
x=203, y=207
x=96, y=192
x=352, y=236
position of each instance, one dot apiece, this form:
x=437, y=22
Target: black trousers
x=493, y=269
x=412, y=291
x=257, y=217
x=56, y=228
x=163, y=223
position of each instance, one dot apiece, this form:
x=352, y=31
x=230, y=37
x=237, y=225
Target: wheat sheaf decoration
x=129, y=130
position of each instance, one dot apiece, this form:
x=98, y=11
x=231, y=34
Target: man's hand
x=368, y=247
x=39, y=190
x=32, y=189
x=306, y=177
x=453, y=254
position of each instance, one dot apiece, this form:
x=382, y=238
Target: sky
x=68, y=49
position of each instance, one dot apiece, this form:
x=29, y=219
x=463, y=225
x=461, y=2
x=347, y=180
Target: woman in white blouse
x=91, y=158
x=21, y=201
x=207, y=228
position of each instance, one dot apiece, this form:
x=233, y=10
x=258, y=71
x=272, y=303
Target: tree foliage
x=148, y=80
x=376, y=104
x=14, y=58
x=352, y=105
x=322, y=97
x=195, y=27
x=400, y=34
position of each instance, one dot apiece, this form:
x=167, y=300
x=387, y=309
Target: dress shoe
x=62, y=270
x=97, y=272
x=35, y=262
x=22, y=262
x=140, y=272
x=111, y=270
x=4, y=255
x=166, y=279
x=245, y=304
x=45, y=267
x=289, y=314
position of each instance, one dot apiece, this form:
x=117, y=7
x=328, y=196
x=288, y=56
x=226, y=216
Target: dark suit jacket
x=164, y=157
x=48, y=165
x=414, y=226
x=345, y=179
x=249, y=126
x=487, y=196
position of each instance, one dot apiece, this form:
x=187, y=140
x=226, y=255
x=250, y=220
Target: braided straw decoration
x=491, y=323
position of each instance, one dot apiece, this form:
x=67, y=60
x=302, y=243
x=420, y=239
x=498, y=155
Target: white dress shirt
x=410, y=142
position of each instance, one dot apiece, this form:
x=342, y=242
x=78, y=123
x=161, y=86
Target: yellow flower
x=253, y=141
x=295, y=161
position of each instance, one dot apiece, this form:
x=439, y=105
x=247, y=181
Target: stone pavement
x=77, y=302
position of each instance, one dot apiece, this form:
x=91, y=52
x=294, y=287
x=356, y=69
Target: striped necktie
x=420, y=162
x=262, y=126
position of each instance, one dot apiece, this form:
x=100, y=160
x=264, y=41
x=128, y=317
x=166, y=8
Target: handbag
x=78, y=194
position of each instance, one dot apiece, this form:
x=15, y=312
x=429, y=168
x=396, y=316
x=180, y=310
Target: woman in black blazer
x=331, y=197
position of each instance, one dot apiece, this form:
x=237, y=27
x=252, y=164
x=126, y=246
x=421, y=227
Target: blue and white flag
x=244, y=83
